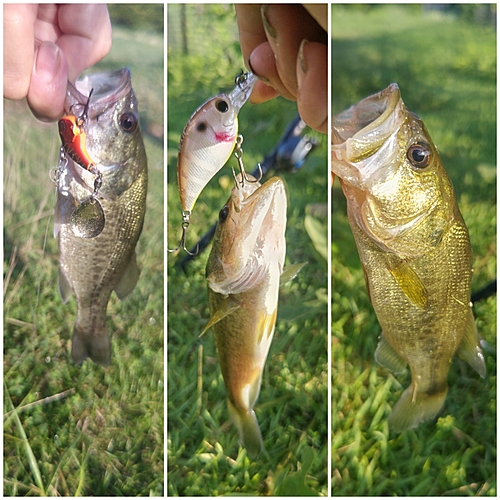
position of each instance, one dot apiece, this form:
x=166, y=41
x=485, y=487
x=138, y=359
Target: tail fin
x=94, y=345
x=414, y=408
x=249, y=430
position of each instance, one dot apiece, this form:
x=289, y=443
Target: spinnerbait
x=87, y=220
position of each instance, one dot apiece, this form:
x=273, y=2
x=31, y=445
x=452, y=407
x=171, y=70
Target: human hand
x=47, y=45
x=285, y=46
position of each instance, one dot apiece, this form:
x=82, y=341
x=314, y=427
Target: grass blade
x=27, y=448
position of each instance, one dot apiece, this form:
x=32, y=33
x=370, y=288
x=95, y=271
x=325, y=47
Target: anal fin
x=129, y=278
x=386, y=355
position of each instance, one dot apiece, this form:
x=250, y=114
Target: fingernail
x=48, y=61
x=260, y=78
x=302, y=61
x=265, y=21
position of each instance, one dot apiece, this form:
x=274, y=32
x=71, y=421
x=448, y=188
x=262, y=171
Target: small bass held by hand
x=101, y=202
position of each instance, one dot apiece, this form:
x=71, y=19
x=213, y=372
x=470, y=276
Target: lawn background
x=445, y=65
x=204, y=457
x=105, y=435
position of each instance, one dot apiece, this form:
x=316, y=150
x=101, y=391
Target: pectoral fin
x=226, y=307
x=410, y=283
x=290, y=272
x=64, y=208
x=385, y=355
x=470, y=349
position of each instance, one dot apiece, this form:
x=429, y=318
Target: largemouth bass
x=413, y=245
x=92, y=267
x=243, y=275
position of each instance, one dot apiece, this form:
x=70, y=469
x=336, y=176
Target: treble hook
x=182, y=244
x=83, y=117
x=238, y=153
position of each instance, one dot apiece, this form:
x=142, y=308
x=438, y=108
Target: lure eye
x=128, y=122
x=224, y=212
x=419, y=155
x=221, y=106
x=62, y=126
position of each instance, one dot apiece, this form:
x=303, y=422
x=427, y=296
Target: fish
x=414, y=248
x=208, y=139
x=243, y=276
x=92, y=267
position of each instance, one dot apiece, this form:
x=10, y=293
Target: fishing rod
x=485, y=292
x=288, y=155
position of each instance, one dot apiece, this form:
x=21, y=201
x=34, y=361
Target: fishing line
x=44, y=247
x=49, y=219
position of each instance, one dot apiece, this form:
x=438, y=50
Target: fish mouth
x=261, y=210
x=107, y=88
x=363, y=130
x=259, y=216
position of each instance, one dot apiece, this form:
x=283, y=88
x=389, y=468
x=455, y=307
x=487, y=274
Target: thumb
x=49, y=79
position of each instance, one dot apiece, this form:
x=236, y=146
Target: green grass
x=86, y=430
x=446, y=70
x=204, y=457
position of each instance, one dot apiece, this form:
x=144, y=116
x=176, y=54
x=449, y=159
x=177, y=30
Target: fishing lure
x=87, y=220
x=209, y=138
x=74, y=137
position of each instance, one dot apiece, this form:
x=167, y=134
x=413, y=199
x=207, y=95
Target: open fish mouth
x=260, y=215
x=367, y=120
x=108, y=87
x=364, y=132
x=264, y=213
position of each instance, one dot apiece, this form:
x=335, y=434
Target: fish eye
x=419, y=155
x=221, y=106
x=128, y=122
x=224, y=212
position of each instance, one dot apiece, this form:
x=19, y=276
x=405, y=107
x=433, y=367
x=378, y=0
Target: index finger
x=86, y=36
x=250, y=26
